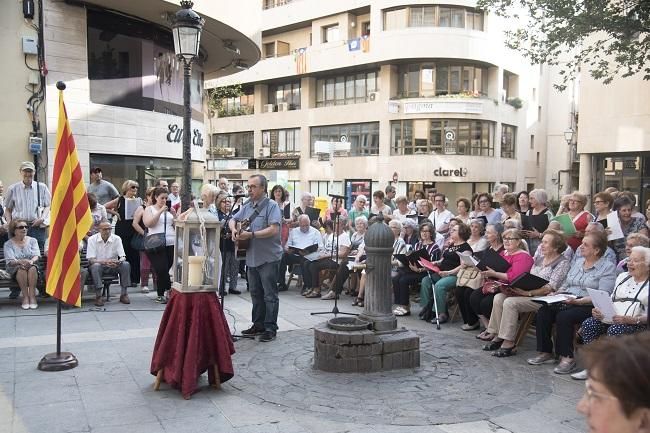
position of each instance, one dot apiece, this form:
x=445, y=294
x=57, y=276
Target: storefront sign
x=175, y=135
x=227, y=164
x=459, y=172
x=444, y=106
x=278, y=164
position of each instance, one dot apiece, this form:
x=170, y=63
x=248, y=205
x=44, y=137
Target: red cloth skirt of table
x=193, y=336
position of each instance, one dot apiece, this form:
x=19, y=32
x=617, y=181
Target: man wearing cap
x=103, y=189
x=30, y=201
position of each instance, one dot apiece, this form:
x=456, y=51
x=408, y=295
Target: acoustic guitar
x=241, y=245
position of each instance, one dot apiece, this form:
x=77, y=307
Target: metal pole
x=58, y=327
x=186, y=189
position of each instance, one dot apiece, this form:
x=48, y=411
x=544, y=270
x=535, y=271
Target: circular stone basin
x=348, y=324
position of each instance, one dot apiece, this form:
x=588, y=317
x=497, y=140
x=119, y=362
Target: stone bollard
x=379, y=291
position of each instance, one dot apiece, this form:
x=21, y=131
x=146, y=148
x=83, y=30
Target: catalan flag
x=70, y=217
x=300, y=57
x=365, y=43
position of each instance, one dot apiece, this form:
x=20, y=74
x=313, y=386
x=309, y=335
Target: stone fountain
x=372, y=341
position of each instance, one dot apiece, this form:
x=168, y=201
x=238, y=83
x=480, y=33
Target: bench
x=42, y=266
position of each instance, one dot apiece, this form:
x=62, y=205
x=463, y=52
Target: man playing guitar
x=263, y=218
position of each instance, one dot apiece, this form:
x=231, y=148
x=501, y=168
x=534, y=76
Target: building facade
x=124, y=95
x=614, y=139
x=422, y=93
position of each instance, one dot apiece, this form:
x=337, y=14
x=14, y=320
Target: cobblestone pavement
x=457, y=389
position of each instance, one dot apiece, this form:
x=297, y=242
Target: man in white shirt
x=106, y=256
x=300, y=237
x=174, y=196
x=325, y=259
x=440, y=216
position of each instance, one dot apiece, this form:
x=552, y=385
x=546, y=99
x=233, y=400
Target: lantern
x=197, y=258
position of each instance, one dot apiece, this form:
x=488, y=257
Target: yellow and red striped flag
x=70, y=217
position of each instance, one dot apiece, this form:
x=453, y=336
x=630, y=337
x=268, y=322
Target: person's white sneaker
x=580, y=375
x=145, y=289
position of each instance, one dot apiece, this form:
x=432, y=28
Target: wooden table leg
x=217, y=378
x=156, y=384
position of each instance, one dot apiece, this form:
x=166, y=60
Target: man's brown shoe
x=125, y=299
x=99, y=301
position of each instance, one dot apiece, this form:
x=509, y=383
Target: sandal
x=485, y=336
x=492, y=345
x=504, y=352
x=358, y=301
x=313, y=294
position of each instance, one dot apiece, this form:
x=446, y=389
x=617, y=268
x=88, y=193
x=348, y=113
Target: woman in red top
x=580, y=217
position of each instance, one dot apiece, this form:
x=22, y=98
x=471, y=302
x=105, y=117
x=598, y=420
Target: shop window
x=285, y=97
x=345, y=89
x=442, y=137
x=363, y=137
x=508, y=141
x=233, y=145
x=282, y=142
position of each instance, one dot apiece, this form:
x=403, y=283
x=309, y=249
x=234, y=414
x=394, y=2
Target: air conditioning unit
x=267, y=108
x=373, y=96
x=283, y=106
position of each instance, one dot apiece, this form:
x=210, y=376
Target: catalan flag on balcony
x=365, y=43
x=300, y=57
x=70, y=217
x=354, y=44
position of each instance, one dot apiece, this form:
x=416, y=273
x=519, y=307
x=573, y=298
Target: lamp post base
x=58, y=362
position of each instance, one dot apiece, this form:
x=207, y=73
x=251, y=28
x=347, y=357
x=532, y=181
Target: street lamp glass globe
x=568, y=135
x=187, y=32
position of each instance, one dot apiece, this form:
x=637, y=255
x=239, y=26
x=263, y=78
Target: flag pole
x=58, y=361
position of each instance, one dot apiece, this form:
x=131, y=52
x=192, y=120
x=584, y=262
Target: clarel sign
x=441, y=172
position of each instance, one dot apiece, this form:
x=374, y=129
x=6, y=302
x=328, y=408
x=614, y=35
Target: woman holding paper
x=603, y=202
x=520, y=261
x=449, y=266
x=126, y=205
x=414, y=274
x=579, y=217
x=551, y=265
x=629, y=302
x=482, y=304
x=589, y=271
x=306, y=200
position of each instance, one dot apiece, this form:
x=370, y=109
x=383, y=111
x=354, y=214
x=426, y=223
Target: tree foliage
x=217, y=95
x=606, y=38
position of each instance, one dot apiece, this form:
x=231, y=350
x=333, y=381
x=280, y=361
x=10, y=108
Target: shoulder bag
x=469, y=277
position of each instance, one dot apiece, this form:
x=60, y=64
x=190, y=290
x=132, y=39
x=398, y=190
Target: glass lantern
x=197, y=258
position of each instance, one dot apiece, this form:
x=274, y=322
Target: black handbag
x=156, y=243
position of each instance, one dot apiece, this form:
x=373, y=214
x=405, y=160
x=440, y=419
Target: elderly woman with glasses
x=306, y=200
x=617, y=394
x=126, y=205
x=481, y=300
x=21, y=255
x=486, y=209
x=580, y=217
x=589, y=271
x=404, y=278
x=402, y=211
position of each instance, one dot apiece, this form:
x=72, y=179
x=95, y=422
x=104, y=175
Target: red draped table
x=193, y=337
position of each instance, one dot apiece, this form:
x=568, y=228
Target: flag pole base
x=58, y=362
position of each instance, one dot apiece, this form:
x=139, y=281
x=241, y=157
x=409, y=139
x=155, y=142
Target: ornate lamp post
x=186, y=30
x=568, y=136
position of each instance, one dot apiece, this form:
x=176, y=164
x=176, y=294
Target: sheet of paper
x=614, y=225
x=552, y=299
x=130, y=206
x=603, y=301
x=467, y=259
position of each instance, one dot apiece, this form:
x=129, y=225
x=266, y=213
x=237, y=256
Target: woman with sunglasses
x=124, y=225
x=21, y=255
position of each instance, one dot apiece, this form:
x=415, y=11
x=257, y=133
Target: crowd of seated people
x=589, y=256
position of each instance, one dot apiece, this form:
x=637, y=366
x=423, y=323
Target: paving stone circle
x=457, y=382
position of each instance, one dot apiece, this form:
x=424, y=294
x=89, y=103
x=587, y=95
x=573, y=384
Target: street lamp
x=186, y=30
x=568, y=136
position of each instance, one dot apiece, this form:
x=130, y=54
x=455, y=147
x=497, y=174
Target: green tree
x=217, y=95
x=606, y=38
